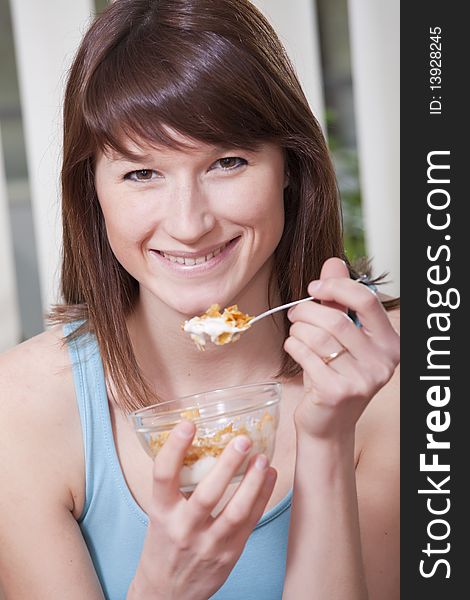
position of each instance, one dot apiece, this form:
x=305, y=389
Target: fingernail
x=261, y=462
x=270, y=477
x=242, y=444
x=289, y=312
x=314, y=287
x=185, y=429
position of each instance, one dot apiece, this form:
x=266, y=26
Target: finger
x=210, y=490
x=248, y=501
x=263, y=498
x=334, y=268
x=363, y=357
x=321, y=375
x=358, y=297
x=325, y=385
x=168, y=463
x=335, y=324
x=323, y=344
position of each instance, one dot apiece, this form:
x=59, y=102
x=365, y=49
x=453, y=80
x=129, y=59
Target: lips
x=195, y=263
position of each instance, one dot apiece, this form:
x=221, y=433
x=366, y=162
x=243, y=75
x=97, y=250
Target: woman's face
x=193, y=227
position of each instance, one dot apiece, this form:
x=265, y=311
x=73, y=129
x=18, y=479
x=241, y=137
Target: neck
x=174, y=366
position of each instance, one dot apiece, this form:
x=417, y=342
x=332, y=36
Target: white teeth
x=193, y=261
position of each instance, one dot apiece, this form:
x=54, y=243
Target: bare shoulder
x=38, y=412
x=38, y=357
x=36, y=381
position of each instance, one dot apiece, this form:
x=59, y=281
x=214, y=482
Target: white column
x=9, y=323
x=375, y=47
x=46, y=35
x=295, y=22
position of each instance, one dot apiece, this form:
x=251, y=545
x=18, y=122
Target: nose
x=189, y=216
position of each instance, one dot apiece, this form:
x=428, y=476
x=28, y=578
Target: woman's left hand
x=344, y=365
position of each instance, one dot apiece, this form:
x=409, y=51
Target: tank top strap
x=102, y=468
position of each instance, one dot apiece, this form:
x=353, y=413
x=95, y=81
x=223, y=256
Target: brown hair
x=213, y=70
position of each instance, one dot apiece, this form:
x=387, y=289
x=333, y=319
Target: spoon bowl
x=222, y=328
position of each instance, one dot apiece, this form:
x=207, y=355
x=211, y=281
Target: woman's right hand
x=188, y=554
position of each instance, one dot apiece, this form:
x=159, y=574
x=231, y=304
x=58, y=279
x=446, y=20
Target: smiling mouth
x=195, y=259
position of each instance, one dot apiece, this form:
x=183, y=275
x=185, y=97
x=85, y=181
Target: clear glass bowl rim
x=143, y=413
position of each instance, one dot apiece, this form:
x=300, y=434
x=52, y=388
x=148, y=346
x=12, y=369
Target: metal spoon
x=277, y=309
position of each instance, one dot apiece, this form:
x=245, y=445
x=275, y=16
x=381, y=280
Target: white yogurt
x=191, y=476
x=212, y=327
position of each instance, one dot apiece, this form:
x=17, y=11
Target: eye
x=229, y=163
x=141, y=175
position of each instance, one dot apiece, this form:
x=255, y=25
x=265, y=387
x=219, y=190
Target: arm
x=43, y=555
x=324, y=554
x=42, y=552
x=349, y=518
x=340, y=513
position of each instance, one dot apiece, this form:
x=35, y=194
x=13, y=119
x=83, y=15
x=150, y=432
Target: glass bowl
x=219, y=416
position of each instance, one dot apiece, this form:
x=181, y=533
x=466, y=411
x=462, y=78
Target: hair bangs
x=145, y=90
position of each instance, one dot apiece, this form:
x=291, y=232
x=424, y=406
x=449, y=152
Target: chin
x=193, y=298
x=193, y=307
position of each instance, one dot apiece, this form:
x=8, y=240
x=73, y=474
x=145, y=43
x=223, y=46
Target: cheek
x=260, y=199
x=126, y=225
x=264, y=211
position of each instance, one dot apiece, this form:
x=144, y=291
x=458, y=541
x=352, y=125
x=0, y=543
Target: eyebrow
x=137, y=158
x=132, y=158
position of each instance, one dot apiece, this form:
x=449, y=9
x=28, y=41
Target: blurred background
x=346, y=53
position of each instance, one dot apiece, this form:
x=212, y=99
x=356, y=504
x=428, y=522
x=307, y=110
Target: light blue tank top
x=113, y=524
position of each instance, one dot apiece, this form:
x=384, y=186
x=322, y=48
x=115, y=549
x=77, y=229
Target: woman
x=194, y=173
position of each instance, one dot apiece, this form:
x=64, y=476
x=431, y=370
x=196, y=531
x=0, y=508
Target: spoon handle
x=278, y=308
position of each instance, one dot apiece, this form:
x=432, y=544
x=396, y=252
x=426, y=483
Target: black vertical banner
x=435, y=251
